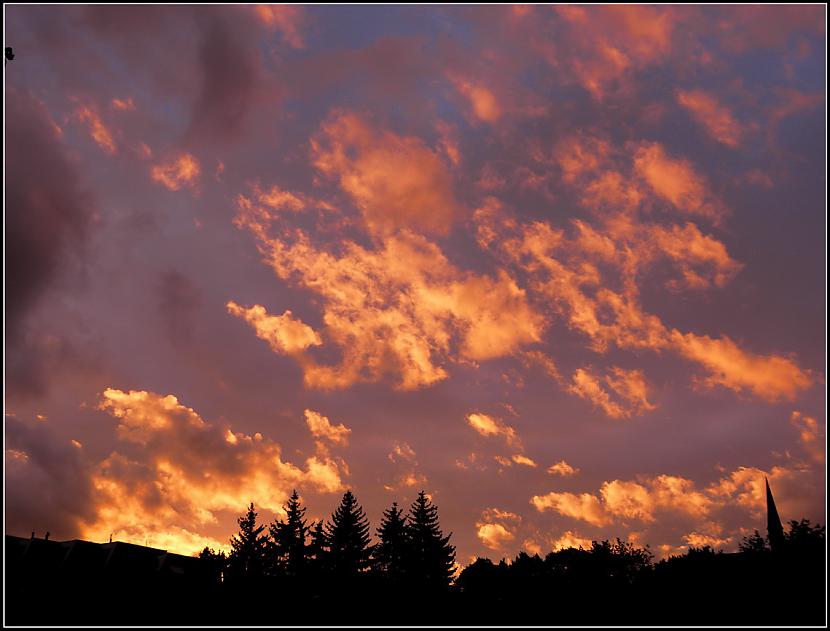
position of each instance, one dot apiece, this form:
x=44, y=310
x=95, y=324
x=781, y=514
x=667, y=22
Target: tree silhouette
x=754, y=543
x=247, y=560
x=391, y=553
x=347, y=539
x=317, y=547
x=804, y=537
x=430, y=556
x=216, y=563
x=289, y=539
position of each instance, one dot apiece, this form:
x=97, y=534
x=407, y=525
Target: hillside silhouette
x=292, y=572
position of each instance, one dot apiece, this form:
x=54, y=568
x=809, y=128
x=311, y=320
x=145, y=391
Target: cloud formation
x=396, y=181
x=496, y=528
x=178, y=172
x=699, y=511
x=486, y=425
x=715, y=118
x=628, y=386
x=397, y=309
x=284, y=333
x=321, y=427
x=182, y=473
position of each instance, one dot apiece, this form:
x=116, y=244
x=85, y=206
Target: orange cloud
x=570, y=539
x=396, y=181
x=483, y=103
x=562, y=468
x=768, y=377
x=566, y=272
x=124, y=105
x=586, y=386
x=408, y=476
x=715, y=118
x=185, y=472
x=398, y=309
x=629, y=499
x=699, y=540
x=676, y=181
x=692, y=250
x=586, y=507
x=745, y=487
x=629, y=387
x=524, y=460
x=321, y=427
x=667, y=498
x=497, y=528
x=809, y=434
x=277, y=199
x=494, y=536
x=547, y=364
x=488, y=426
x=100, y=133
x=610, y=190
x=285, y=18
x=284, y=334
x=177, y=172
x=607, y=44
x=580, y=155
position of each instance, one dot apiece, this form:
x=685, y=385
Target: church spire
x=775, y=531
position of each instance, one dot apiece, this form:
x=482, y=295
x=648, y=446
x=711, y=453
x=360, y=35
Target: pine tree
x=247, y=559
x=390, y=554
x=431, y=557
x=347, y=538
x=289, y=539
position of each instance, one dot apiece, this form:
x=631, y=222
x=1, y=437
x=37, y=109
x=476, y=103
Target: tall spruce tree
x=430, y=556
x=289, y=539
x=347, y=538
x=247, y=559
x=390, y=554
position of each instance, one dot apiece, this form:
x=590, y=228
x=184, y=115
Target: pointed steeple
x=775, y=531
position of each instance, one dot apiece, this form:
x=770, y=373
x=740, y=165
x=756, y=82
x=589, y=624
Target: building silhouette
x=775, y=531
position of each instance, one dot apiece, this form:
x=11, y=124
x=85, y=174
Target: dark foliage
x=329, y=574
x=347, y=539
x=248, y=558
x=430, y=558
x=390, y=554
x=216, y=563
x=287, y=545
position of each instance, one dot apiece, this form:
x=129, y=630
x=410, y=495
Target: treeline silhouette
x=328, y=556
x=406, y=577
x=328, y=572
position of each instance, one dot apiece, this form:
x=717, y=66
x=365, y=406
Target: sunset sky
x=561, y=267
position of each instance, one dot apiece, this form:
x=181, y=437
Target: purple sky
x=561, y=267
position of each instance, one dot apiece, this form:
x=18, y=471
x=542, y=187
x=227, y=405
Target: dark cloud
x=178, y=302
x=47, y=481
x=230, y=68
x=48, y=218
x=48, y=213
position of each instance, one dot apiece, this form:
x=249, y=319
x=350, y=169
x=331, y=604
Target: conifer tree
x=247, y=559
x=317, y=548
x=390, y=553
x=430, y=557
x=347, y=538
x=289, y=539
